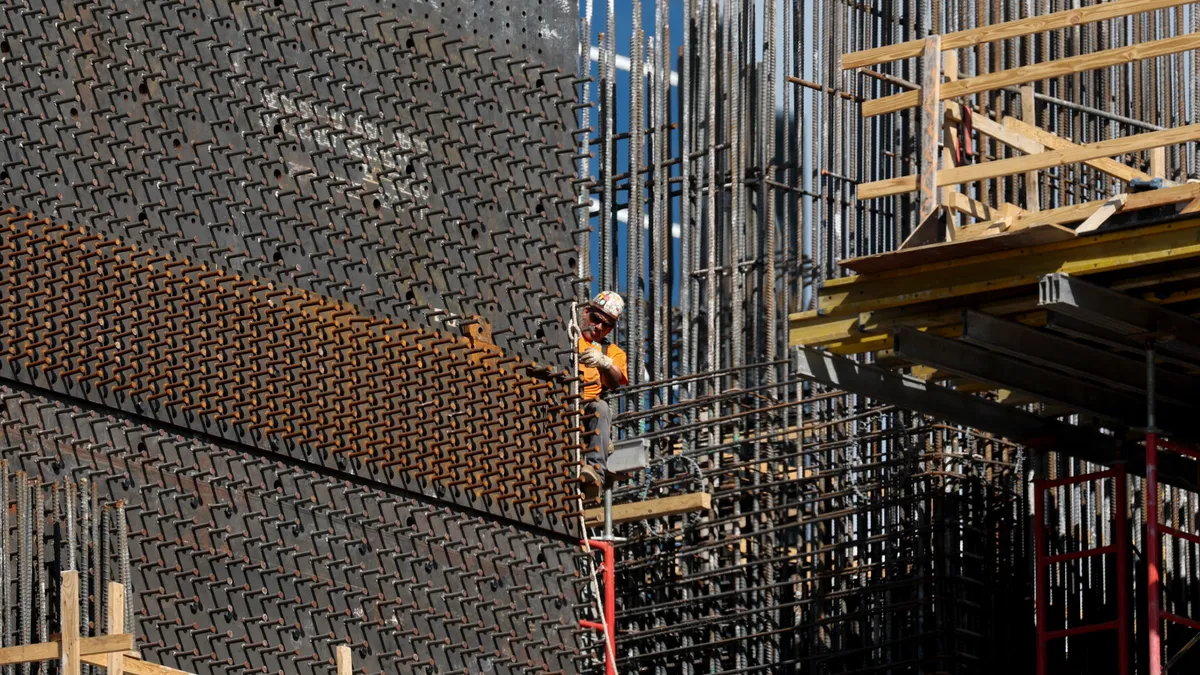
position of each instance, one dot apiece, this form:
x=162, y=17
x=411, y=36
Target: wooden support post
x=1029, y=116
x=1158, y=163
x=116, y=624
x=950, y=141
x=69, y=616
x=344, y=659
x=931, y=120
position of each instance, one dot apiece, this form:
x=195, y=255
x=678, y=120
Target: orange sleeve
x=621, y=361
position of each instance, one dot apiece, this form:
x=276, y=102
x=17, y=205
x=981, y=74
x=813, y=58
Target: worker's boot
x=591, y=482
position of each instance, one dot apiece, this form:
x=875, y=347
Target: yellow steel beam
x=846, y=303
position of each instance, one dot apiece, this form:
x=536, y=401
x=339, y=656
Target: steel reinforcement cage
x=845, y=536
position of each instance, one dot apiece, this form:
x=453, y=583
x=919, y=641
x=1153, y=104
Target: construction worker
x=602, y=368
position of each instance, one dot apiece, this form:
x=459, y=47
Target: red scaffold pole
x=609, y=626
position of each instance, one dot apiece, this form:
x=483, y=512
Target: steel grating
x=885, y=540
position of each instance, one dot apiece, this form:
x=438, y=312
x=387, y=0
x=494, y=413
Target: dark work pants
x=597, y=434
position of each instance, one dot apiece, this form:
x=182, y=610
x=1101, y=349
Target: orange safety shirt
x=592, y=386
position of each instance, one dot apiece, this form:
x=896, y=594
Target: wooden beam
x=988, y=127
x=345, y=662
x=980, y=211
x=818, y=333
x=651, y=508
x=1029, y=116
x=931, y=122
x=1055, y=142
x=69, y=616
x=116, y=624
x=134, y=666
x=1039, y=71
x=1074, y=213
x=1009, y=29
x=49, y=651
x=42, y=651
x=1102, y=214
x=1042, y=160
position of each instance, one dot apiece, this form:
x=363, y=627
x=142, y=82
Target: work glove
x=593, y=357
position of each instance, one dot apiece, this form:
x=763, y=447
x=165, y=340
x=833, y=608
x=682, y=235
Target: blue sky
x=624, y=22
x=623, y=13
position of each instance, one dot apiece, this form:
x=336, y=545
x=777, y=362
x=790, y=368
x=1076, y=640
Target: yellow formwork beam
x=846, y=298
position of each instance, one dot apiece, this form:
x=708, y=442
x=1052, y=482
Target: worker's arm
x=612, y=377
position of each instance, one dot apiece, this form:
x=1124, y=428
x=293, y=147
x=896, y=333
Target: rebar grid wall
x=48, y=527
x=844, y=537
x=750, y=146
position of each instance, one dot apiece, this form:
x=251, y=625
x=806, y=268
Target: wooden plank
x=1064, y=215
x=651, y=508
x=43, y=651
x=1102, y=214
x=344, y=660
x=1029, y=116
x=69, y=616
x=977, y=209
x=105, y=644
x=1042, y=160
x=1039, y=71
x=928, y=232
x=134, y=666
x=1054, y=142
x=993, y=129
x=931, y=122
x=98, y=647
x=116, y=624
x=1009, y=29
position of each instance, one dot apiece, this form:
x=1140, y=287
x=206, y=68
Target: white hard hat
x=609, y=303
